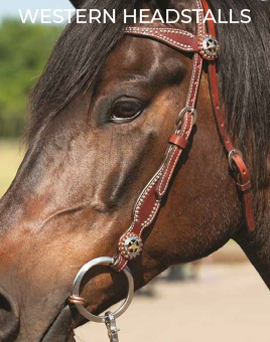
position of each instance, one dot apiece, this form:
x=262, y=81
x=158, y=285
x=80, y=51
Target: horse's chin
x=60, y=329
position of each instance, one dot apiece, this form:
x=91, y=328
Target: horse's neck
x=257, y=247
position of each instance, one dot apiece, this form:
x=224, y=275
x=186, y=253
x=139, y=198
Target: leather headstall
x=205, y=47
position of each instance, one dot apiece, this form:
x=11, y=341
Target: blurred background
x=220, y=298
x=24, y=49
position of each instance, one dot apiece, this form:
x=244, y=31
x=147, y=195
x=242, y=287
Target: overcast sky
x=10, y=8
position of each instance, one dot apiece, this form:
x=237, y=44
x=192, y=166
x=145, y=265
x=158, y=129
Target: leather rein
x=205, y=47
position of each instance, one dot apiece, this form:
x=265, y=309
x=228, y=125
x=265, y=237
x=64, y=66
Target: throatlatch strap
x=239, y=167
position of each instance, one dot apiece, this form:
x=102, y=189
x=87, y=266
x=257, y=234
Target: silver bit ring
x=105, y=261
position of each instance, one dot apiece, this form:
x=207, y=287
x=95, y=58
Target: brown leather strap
x=240, y=169
x=242, y=179
x=148, y=204
x=175, y=153
x=244, y=187
x=181, y=142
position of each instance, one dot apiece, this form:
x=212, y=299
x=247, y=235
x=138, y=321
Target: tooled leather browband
x=179, y=39
x=204, y=47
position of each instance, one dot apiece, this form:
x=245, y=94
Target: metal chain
x=111, y=326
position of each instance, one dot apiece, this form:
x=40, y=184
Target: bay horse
x=100, y=118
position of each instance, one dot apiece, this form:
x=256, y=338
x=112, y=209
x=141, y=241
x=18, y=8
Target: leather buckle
x=185, y=110
x=243, y=187
x=231, y=155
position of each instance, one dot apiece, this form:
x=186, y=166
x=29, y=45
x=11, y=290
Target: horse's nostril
x=9, y=318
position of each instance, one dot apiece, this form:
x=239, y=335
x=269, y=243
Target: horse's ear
x=77, y=3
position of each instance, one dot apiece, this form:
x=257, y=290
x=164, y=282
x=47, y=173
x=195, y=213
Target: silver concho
x=208, y=47
x=130, y=246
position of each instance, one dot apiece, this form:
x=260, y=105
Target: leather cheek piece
x=178, y=141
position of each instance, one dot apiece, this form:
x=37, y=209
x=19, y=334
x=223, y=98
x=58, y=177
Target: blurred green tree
x=24, y=49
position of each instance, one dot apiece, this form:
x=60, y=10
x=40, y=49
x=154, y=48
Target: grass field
x=10, y=157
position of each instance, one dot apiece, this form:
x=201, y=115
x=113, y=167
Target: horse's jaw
x=60, y=328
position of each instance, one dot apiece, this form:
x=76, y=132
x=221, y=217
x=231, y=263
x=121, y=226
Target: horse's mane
x=244, y=73
x=244, y=69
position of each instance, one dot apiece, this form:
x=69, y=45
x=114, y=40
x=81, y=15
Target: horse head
x=101, y=116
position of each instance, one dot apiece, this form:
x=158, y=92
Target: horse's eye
x=125, y=110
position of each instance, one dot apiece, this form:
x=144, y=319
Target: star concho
x=208, y=47
x=130, y=246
